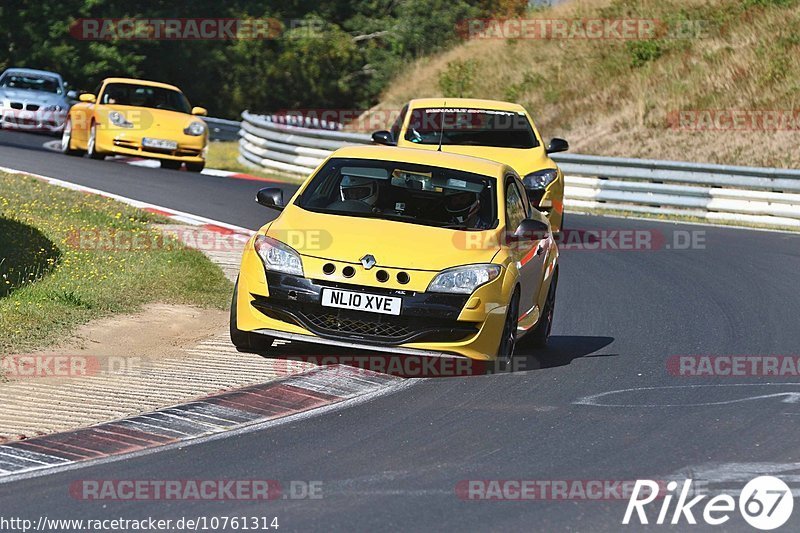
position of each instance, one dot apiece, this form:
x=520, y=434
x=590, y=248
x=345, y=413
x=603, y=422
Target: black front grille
x=361, y=325
x=354, y=326
x=32, y=107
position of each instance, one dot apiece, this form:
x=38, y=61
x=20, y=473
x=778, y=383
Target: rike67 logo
x=765, y=503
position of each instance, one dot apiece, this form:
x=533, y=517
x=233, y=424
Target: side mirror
x=199, y=111
x=87, y=97
x=383, y=137
x=271, y=197
x=531, y=230
x=557, y=145
x=72, y=95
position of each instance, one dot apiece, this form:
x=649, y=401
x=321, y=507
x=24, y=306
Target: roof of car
x=134, y=81
x=469, y=103
x=434, y=158
x=33, y=71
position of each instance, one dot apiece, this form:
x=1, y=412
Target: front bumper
x=113, y=141
x=19, y=119
x=430, y=324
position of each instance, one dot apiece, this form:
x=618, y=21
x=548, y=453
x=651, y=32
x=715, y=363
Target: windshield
x=403, y=192
x=144, y=96
x=471, y=127
x=31, y=82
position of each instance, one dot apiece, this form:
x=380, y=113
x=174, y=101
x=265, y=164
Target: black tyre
x=66, y=140
x=91, y=145
x=540, y=335
x=195, y=167
x=246, y=341
x=508, y=340
x=169, y=164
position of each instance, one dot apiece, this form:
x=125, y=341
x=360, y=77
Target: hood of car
x=34, y=97
x=523, y=160
x=393, y=244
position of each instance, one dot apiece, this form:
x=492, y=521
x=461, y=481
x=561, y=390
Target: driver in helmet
x=359, y=189
x=463, y=209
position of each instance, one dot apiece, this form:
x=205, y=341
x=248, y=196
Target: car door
x=528, y=255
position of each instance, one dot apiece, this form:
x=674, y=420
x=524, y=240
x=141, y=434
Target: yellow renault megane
x=400, y=250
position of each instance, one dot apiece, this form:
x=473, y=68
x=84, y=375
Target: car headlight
x=464, y=279
x=55, y=107
x=195, y=128
x=540, y=179
x=118, y=119
x=278, y=256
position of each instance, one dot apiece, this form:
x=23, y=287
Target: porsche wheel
x=169, y=164
x=91, y=145
x=246, y=341
x=195, y=167
x=66, y=140
x=541, y=334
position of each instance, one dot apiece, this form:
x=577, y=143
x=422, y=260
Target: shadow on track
x=561, y=351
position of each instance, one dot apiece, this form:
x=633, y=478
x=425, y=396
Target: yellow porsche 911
x=500, y=131
x=400, y=250
x=137, y=118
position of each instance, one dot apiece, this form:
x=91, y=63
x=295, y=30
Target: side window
x=515, y=206
x=398, y=124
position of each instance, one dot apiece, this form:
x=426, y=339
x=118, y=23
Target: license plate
x=163, y=144
x=387, y=305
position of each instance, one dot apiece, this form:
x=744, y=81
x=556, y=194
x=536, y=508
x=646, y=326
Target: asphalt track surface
x=394, y=462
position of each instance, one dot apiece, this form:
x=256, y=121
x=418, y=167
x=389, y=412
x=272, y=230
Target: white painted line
x=196, y=219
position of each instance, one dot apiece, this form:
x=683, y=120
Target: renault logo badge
x=368, y=261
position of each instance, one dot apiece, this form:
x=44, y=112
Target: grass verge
x=224, y=155
x=710, y=60
x=54, y=280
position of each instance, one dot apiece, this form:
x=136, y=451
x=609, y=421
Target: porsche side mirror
x=199, y=111
x=383, y=137
x=87, y=97
x=531, y=230
x=72, y=95
x=271, y=197
x=557, y=145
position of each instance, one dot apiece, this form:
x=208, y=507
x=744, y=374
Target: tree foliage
x=331, y=54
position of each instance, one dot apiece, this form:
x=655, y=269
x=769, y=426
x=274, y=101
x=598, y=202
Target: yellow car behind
x=137, y=118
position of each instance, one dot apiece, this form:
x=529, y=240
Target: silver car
x=35, y=100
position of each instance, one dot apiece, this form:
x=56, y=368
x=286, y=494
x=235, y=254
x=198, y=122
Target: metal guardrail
x=722, y=193
x=220, y=129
